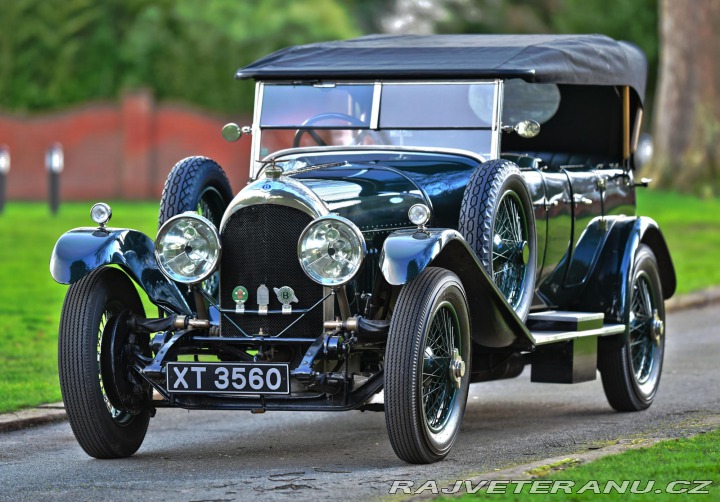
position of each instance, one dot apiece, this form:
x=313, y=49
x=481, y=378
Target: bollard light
x=55, y=159
x=4, y=169
x=4, y=159
x=54, y=163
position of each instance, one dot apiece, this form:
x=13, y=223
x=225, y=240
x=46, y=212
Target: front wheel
x=631, y=372
x=427, y=367
x=91, y=307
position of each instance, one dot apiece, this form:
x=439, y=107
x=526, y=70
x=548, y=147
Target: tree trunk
x=686, y=129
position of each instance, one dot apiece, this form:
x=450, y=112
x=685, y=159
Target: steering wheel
x=376, y=137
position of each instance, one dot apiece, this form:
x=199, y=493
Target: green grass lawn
x=693, y=459
x=30, y=301
x=691, y=227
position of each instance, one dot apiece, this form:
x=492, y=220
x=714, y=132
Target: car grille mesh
x=260, y=247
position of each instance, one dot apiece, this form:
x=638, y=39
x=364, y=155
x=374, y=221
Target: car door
x=589, y=228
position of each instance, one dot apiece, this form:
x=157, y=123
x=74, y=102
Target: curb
x=697, y=299
x=524, y=471
x=43, y=414
x=48, y=413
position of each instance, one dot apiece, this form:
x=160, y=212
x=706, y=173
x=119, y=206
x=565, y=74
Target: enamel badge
x=263, y=299
x=286, y=296
x=240, y=296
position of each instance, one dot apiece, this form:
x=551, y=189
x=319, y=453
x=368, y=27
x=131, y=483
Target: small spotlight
x=101, y=213
x=419, y=214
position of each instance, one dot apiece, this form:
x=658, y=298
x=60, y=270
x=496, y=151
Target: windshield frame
x=494, y=127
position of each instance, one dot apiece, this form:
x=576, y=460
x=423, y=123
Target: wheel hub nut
x=658, y=328
x=523, y=252
x=457, y=368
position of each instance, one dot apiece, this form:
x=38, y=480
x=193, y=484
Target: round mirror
x=527, y=128
x=231, y=132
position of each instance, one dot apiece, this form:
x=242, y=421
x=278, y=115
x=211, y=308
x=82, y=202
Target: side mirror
x=527, y=128
x=524, y=128
x=232, y=132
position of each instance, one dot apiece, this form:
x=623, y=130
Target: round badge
x=240, y=294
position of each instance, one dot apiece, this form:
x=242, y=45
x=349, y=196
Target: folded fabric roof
x=560, y=59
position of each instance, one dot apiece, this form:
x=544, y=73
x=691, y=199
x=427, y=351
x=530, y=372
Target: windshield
x=439, y=115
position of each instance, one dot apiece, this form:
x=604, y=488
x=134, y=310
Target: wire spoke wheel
x=427, y=362
x=211, y=206
x=631, y=370
x=510, y=248
x=643, y=340
x=438, y=387
x=120, y=417
x=498, y=222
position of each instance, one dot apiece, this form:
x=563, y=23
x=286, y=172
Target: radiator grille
x=260, y=247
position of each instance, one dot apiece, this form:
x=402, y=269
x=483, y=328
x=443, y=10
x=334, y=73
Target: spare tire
x=498, y=222
x=197, y=184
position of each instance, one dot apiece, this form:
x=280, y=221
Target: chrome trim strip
x=375, y=113
x=256, y=130
x=370, y=148
x=497, y=116
x=545, y=337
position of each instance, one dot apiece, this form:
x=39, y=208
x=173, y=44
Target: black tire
x=102, y=430
x=195, y=184
x=631, y=371
x=495, y=189
x=424, y=307
x=200, y=185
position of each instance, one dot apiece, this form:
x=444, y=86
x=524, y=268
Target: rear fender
x=82, y=250
x=609, y=284
x=406, y=253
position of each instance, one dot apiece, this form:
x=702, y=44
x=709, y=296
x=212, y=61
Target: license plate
x=228, y=378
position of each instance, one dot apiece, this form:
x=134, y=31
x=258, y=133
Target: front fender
x=82, y=250
x=406, y=253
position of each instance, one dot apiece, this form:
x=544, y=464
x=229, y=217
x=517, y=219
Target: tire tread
x=78, y=378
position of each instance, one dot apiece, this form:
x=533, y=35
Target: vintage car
x=423, y=212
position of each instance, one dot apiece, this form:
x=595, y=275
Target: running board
x=546, y=337
x=566, y=345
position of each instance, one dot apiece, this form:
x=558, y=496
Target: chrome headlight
x=187, y=248
x=331, y=250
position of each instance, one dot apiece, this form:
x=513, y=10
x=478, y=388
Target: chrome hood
x=283, y=191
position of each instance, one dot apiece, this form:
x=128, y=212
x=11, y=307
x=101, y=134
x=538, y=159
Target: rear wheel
x=92, y=306
x=427, y=367
x=631, y=372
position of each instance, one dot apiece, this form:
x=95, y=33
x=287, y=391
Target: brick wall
x=117, y=151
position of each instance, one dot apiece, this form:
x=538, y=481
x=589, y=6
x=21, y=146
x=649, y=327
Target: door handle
x=577, y=200
x=547, y=203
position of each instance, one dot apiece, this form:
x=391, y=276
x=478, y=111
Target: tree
x=686, y=125
x=55, y=53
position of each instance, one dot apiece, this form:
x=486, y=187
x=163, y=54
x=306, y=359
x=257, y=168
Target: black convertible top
x=560, y=59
